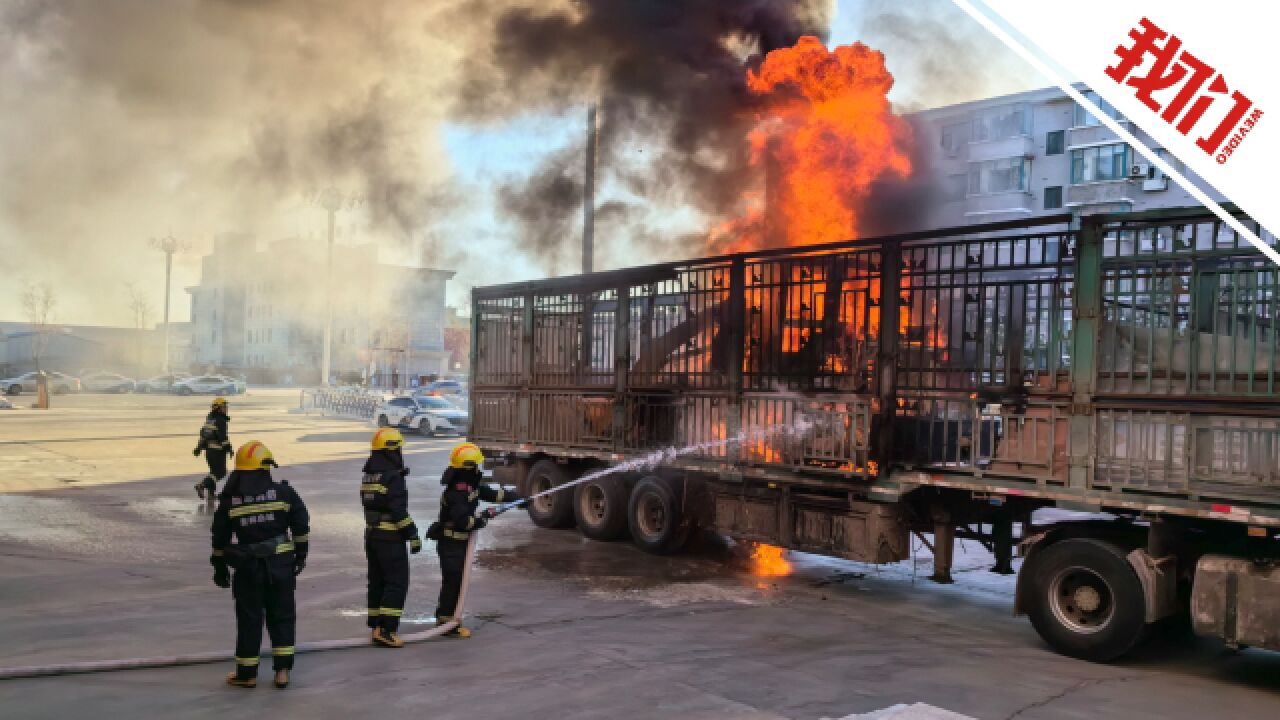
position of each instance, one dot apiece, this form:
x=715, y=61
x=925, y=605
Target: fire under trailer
x=971, y=382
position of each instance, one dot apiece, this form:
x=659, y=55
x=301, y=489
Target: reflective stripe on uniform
x=499, y=495
x=282, y=651
x=255, y=508
x=217, y=553
x=284, y=547
x=375, y=612
x=471, y=523
x=374, y=487
x=404, y=523
x=302, y=538
x=456, y=535
x=247, y=662
x=391, y=612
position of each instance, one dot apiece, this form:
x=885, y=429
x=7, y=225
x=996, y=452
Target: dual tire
x=604, y=510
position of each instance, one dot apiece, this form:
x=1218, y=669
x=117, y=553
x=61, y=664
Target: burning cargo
x=951, y=381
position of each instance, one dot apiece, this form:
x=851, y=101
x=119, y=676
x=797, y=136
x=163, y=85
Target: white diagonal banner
x=1195, y=77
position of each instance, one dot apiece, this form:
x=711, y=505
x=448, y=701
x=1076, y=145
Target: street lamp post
x=167, y=245
x=331, y=201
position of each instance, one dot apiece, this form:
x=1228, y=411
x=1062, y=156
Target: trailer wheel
x=654, y=516
x=554, y=510
x=600, y=507
x=1085, y=600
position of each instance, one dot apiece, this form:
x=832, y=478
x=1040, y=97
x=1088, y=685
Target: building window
x=954, y=137
x=997, y=176
x=1001, y=122
x=1100, y=163
x=1053, y=197
x=1082, y=117
x=1055, y=142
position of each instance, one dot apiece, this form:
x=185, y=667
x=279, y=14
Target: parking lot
x=104, y=547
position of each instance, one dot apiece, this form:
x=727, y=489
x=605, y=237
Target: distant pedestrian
x=215, y=442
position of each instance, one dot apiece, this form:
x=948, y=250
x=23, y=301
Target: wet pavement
x=104, y=547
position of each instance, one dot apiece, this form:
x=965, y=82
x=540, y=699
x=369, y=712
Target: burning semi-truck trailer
x=835, y=399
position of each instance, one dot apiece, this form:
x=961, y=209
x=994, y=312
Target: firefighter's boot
x=387, y=638
x=233, y=678
x=282, y=678
x=457, y=632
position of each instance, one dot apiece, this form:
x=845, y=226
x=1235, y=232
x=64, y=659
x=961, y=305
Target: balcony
x=1101, y=193
x=1015, y=146
x=1092, y=135
x=978, y=207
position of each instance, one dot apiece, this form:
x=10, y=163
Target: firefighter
x=385, y=498
x=216, y=445
x=463, y=489
x=270, y=524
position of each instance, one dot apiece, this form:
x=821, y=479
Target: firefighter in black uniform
x=388, y=527
x=216, y=445
x=463, y=489
x=270, y=524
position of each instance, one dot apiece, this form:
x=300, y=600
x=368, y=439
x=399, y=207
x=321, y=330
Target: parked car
x=426, y=414
x=443, y=387
x=205, y=385
x=59, y=383
x=5, y=404
x=159, y=383
x=238, y=384
x=105, y=382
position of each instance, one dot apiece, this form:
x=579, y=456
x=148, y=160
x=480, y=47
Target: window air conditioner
x=1139, y=170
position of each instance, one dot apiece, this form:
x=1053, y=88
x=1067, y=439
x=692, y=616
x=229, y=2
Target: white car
x=205, y=385
x=58, y=384
x=5, y=404
x=159, y=383
x=238, y=386
x=425, y=414
x=105, y=382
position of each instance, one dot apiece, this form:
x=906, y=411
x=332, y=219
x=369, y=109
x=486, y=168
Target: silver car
x=58, y=383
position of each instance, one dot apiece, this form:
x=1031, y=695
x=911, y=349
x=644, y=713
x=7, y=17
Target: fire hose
x=78, y=668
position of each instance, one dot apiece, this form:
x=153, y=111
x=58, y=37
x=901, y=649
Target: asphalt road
x=103, y=554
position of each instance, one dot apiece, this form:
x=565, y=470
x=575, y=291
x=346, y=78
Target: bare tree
x=38, y=302
x=140, y=309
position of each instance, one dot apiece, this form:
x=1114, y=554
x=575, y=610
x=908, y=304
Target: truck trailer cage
x=836, y=398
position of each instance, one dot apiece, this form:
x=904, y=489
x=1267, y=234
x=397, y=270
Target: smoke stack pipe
x=589, y=191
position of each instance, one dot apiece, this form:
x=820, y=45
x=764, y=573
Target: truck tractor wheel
x=654, y=517
x=1085, y=599
x=554, y=510
x=600, y=507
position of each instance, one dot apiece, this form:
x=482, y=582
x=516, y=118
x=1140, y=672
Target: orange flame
x=769, y=561
x=825, y=129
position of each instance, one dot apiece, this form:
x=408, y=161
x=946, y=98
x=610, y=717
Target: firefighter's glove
x=415, y=545
x=221, y=575
x=480, y=521
x=488, y=514
x=228, y=449
x=299, y=564
x=196, y=452
x=405, y=472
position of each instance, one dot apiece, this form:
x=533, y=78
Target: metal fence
x=346, y=402
x=1131, y=353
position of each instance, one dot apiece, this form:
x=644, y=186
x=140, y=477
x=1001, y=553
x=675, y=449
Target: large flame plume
x=824, y=133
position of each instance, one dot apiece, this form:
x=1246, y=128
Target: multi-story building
x=262, y=312
x=1037, y=153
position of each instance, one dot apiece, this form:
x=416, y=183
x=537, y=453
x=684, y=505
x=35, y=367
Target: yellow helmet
x=253, y=455
x=387, y=439
x=219, y=402
x=466, y=455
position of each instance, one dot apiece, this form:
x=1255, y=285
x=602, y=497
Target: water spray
x=664, y=456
